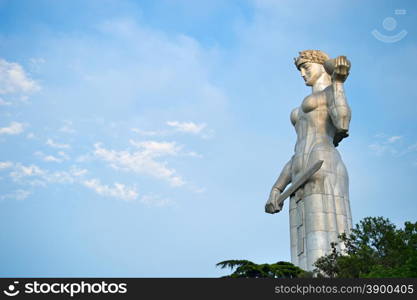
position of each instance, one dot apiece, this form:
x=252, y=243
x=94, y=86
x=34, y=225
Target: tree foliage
x=374, y=248
x=248, y=269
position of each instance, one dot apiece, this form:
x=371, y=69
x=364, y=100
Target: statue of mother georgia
x=319, y=194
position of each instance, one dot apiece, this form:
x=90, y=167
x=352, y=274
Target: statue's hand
x=271, y=205
x=341, y=69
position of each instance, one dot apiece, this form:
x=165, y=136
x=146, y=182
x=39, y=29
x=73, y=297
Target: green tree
x=246, y=268
x=374, y=248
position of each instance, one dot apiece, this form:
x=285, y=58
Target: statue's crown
x=312, y=56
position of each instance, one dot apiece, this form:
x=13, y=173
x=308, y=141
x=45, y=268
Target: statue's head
x=310, y=64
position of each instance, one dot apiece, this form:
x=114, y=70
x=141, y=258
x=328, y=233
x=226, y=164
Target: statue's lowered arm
x=272, y=206
x=277, y=197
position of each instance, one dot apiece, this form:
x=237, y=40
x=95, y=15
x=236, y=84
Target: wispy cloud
x=118, y=190
x=380, y=149
x=13, y=79
x=123, y=192
x=146, y=132
x=31, y=174
x=194, y=154
x=67, y=127
x=36, y=176
x=4, y=102
x=16, y=195
x=385, y=144
x=143, y=161
x=188, y=127
x=199, y=129
x=408, y=149
x=77, y=172
x=30, y=135
x=412, y=147
x=13, y=129
x=53, y=144
x=393, y=139
x=175, y=127
x=156, y=149
x=63, y=155
x=51, y=158
x=5, y=164
x=394, y=145
x=84, y=158
x=36, y=63
x=155, y=200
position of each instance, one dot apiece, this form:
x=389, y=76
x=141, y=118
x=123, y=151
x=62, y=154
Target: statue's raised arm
x=339, y=109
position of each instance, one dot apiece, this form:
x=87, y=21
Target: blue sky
x=141, y=138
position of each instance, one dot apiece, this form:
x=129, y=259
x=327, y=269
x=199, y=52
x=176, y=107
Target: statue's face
x=311, y=72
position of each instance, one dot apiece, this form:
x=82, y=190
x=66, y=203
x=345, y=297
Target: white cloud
x=84, y=158
x=53, y=144
x=197, y=189
x=143, y=161
x=13, y=129
x=30, y=135
x=32, y=175
x=188, y=127
x=67, y=127
x=5, y=164
x=146, y=132
x=35, y=64
x=59, y=177
x=16, y=195
x=74, y=175
x=31, y=170
x=394, y=145
x=75, y=171
x=194, y=154
x=13, y=79
x=393, y=139
x=155, y=149
x=36, y=176
x=63, y=155
x=156, y=200
x=380, y=149
x=123, y=192
x=386, y=144
x=176, y=127
x=50, y=158
x=409, y=149
x=412, y=147
x=4, y=102
x=118, y=190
